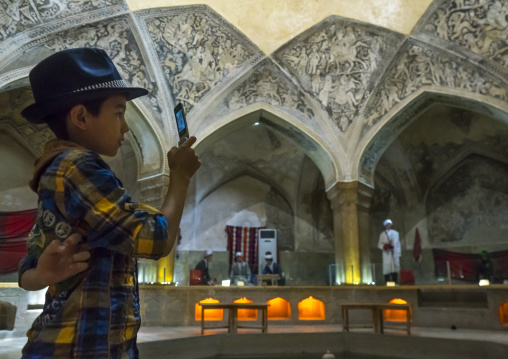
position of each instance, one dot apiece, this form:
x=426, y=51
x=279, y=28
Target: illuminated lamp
x=395, y=315
x=210, y=314
x=503, y=313
x=279, y=309
x=311, y=309
x=484, y=282
x=246, y=314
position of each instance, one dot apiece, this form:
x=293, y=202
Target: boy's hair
x=57, y=123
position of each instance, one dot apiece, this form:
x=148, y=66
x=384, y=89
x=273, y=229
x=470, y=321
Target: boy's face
x=108, y=128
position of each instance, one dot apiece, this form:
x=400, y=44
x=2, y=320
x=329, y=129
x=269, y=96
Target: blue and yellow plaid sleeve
x=93, y=196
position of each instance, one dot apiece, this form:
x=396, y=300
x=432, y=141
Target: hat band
x=104, y=85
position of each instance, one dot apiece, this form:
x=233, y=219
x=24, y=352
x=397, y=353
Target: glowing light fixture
x=484, y=282
x=503, y=313
x=390, y=284
x=394, y=315
x=279, y=309
x=240, y=283
x=210, y=314
x=226, y=282
x=246, y=314
x=311, y=309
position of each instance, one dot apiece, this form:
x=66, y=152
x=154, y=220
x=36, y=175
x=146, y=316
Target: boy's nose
x=125, y=126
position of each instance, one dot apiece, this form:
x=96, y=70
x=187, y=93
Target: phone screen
x=180, y=122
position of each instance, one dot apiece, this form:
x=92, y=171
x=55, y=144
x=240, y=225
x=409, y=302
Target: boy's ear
x=77, y=116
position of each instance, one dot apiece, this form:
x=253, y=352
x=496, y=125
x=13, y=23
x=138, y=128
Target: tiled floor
x=11, y=348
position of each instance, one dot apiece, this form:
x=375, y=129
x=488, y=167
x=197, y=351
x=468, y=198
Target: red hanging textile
x=11, y=252
x=14, y=229
x=464, y=266
x=16, y=224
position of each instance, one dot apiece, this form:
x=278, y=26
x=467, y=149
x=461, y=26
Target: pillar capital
x=350, y=193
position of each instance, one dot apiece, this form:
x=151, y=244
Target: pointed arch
x=325, y=158
x=372, y=147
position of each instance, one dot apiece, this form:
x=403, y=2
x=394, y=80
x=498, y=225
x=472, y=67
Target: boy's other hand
x=183, y=160
x=62, y=260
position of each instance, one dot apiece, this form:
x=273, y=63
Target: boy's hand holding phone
x=183, y=160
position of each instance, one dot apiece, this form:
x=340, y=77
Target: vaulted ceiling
x=336, y=81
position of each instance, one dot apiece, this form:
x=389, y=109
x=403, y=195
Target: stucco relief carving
x=33, y=136
x=267, y=85
x=336, y=63
x=478, y=25
x=20, y=15
x=196, y=52
x=420, y=65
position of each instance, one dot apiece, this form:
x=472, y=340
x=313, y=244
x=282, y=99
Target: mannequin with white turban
x=240, y=270
x=390, y=245
x=272, y=267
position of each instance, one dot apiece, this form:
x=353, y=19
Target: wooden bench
x=377, y=314
x=232, y=324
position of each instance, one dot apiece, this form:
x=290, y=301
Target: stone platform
x=464, y=306
x=443, y=306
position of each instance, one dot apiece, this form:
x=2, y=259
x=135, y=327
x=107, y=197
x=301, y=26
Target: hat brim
x=38, y=112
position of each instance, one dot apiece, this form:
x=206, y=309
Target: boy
x=94, y=314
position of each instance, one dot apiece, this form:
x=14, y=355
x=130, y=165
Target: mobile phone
x=181, y=124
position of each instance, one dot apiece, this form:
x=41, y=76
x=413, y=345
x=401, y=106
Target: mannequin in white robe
x=390, y=245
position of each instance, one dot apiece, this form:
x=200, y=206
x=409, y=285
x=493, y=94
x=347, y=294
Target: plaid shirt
x=94, y=314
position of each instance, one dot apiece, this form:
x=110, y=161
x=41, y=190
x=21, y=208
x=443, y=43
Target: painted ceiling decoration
x=348, y=86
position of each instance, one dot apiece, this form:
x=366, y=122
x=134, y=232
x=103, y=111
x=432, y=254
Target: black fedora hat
x=71, y=77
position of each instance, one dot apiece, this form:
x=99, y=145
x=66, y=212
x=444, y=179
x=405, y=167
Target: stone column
x=350, y=202
x=166, y=267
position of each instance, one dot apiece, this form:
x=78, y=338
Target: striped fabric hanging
x=245, y=240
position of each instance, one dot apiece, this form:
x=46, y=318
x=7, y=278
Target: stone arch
x=9, y=130
x=449, y=168
x=145, y=135
x=146, y=142
x=247, y=172
x=329, y=163
x=470, y=197
x=372, y=147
